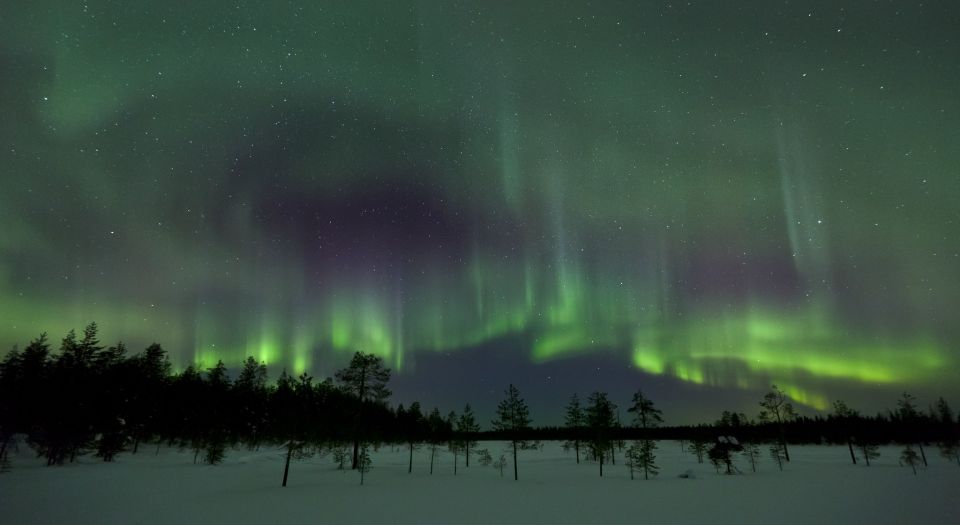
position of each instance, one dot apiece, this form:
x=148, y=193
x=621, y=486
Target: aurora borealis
x=698, y=198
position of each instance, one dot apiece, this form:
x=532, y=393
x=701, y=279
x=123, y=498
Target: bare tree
x=778, y=410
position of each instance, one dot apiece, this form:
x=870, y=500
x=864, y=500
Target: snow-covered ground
x=819, y=486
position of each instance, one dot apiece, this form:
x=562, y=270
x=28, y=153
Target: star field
x=696, y=197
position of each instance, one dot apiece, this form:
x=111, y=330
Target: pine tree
x=949, y=441
x=341, y=455
x=484, y=457
x=845, y=416
x=909, y=456
x=646, y=416
x=751, y=451
x=412, y=426
x=632, y=457
x=777, y=452
x=437, y=434
x=600, y=422
x=363, y=461
x=215, y=452
x=454, y=444
x=868, y=450
x=574, y=422
x=467, y=427
x=646, y=459
x=698, y=447
x=907, y=410
x=951, y=451
x=500, y=463
x=778, y=410
x=513, y=420
x=720, y=455
x=366, y=381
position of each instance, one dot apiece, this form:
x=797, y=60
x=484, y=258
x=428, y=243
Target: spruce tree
x=217, y=390
x=574, y=422
x=250, y=401
x=513, y=420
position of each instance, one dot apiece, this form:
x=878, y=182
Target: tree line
x=90, y=398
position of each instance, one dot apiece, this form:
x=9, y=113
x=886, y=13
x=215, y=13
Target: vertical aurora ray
x=428, y=182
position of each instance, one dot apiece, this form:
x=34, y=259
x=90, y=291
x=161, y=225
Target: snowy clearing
x=818, y=486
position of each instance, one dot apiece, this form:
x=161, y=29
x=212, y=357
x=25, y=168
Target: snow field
x=819, y=486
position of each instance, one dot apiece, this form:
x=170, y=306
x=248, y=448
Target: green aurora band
x=727, y=197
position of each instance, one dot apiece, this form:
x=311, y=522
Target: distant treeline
x=89, y=398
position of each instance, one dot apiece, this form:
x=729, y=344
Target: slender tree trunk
x=136, y=443
x=613, y=454
x=468, y=452
x=410, y=466
x=853, y=457
x=646, y=474
x=783, y=440
x=433, y=452
x=286, y=466
x=515, y=478
x=356, y=452
x=454, y=463
x=922, y=455
x=601, y=464
x=576, y=447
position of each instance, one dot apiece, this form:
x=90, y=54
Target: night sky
x=693, y=198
